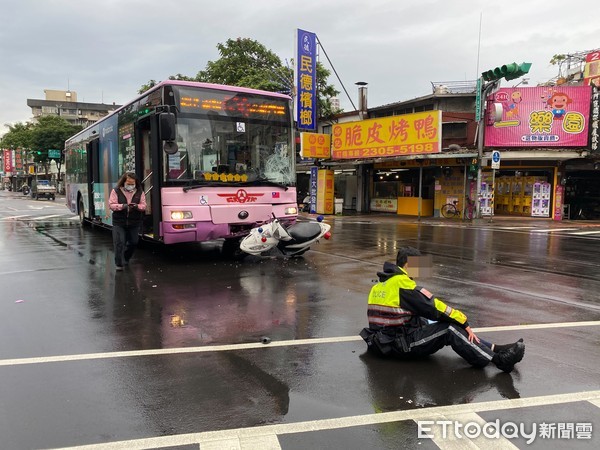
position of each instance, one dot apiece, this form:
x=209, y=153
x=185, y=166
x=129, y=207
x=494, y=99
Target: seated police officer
x=397, y=313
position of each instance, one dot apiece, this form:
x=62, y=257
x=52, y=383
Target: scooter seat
x=304, y=231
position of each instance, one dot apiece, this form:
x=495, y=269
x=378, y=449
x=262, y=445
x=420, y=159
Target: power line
x=336, y=74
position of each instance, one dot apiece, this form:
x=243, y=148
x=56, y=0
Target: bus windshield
x=230, y=137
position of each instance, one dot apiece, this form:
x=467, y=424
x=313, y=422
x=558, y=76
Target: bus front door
x=93, y=173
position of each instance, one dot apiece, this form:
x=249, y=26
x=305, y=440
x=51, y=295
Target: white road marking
x=266, y=442
x=341, y=422
x=45, y=217
x=585, y=233
x=449, y=441
x=595, y=402
x=551, y=230
x=34, y=218
x=254, y=345
x=15, y=217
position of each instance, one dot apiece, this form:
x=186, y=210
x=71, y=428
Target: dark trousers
x=125, y=240
x=431, y=338
x=428, y=340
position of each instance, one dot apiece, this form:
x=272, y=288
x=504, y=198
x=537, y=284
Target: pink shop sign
x=552, y=116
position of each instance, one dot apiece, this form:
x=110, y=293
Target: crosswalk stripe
x=446, y=439
x=343, y=422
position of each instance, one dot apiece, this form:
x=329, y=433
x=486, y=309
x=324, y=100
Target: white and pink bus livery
x=215, y=161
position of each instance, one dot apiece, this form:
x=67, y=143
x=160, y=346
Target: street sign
x=478, y=101
x=495, y=159
x=53, y=154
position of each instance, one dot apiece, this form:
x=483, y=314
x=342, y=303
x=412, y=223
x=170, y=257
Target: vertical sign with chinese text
x=559, y=192
x=306, y=80
x=595, y=119
x=325, y=200
x=8, y=161
x=314, y=174
x=19, y=160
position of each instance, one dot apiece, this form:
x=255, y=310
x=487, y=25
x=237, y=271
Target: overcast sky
x=106, y=49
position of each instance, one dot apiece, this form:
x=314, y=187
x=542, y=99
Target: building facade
x=65, y=104
x=549, y=162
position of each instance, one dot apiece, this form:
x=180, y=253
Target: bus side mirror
x=167, y=131
x=166, y=126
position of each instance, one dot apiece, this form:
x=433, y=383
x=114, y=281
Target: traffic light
x=473, y=166
x=507, y=71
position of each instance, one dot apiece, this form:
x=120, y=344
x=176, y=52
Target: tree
x=248, y=63
x=51, y=132
x=18, y=136
x=148, y=85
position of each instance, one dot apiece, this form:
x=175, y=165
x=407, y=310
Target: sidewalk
x=495, y=221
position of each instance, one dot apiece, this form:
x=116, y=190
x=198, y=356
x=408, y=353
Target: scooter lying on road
x=292, y=240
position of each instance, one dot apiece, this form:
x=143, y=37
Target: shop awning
x=444, y=155
x=529, y=155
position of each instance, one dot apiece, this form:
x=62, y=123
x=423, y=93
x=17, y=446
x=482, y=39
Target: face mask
x=129, y=187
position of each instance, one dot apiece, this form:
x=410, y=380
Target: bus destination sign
x=234, y=105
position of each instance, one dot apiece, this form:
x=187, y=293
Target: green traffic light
x=488, y=75
x=507, y=71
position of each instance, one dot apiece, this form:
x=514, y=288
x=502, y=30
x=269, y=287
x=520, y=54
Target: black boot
x=500, y=347
x=505, y=360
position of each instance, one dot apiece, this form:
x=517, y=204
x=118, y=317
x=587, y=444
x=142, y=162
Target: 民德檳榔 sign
x=306, y=80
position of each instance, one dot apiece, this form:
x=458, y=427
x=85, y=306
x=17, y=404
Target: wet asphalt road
x=170, y=349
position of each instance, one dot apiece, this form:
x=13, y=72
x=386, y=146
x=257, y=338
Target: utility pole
x=484, y=90
x=492, y=77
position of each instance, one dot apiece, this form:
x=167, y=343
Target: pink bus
x=215, y=161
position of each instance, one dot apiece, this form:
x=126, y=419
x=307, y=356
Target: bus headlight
x=180, y=215
x=291, y=210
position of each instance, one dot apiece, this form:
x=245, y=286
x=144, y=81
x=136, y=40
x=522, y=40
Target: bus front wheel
x=82, y=220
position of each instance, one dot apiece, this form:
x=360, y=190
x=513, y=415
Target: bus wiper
x=264, y=182
x=203, y=184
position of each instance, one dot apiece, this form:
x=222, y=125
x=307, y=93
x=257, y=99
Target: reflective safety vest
x=384, y=302
x=398, y=299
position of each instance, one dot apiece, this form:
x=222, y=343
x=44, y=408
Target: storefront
x=524, y=191
x=420, y=187
x=582, y=189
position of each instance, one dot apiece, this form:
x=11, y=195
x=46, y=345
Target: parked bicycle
x=451, y=210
